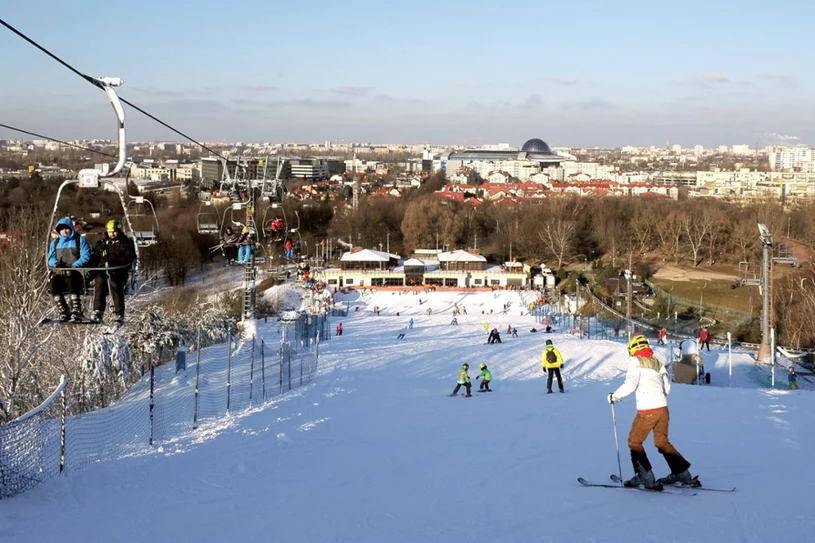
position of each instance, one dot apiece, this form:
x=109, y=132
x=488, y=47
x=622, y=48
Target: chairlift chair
x=273, y=189
x=146, y=230
x=94, y=179
x=208, y=219
x=274, y=211
x=236, y=188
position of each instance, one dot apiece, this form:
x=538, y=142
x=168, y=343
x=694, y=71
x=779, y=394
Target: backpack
x=551, y=357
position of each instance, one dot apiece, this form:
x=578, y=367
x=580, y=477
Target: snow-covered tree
x=23, y=302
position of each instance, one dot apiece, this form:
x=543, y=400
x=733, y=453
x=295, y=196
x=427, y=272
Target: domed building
x=536, y=145
x=534, y=153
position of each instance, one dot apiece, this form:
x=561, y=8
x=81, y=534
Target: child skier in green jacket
x=463, y=379
x=487, y=377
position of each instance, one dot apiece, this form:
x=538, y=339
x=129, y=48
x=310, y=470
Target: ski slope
x=375, y=451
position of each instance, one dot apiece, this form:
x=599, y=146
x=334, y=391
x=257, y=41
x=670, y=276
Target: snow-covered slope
x=374, y=450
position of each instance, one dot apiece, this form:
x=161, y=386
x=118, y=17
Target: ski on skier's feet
x=82, y=320
x=660, y=490
x=616, y=478
x=695, y=485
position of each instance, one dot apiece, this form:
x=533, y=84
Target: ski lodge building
x=365, y=268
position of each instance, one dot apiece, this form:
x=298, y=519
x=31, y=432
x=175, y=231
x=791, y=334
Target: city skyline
x=597, y=74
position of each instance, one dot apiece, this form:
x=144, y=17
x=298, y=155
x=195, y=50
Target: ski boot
x=96, y=316
x=62, y=308
x=683, y=479
x=76, y=308
x=644, y=478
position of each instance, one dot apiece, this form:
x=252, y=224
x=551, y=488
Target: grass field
x=713, y=294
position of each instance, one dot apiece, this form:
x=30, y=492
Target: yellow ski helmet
x=113, y=226
x=637, y=343
x=482, y=365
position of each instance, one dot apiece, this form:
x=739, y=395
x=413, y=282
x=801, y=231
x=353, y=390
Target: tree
x=559, y=227
x=670, y=234
x=422, y=219
x=696, y=231
x=642, y=230
x=23, y=296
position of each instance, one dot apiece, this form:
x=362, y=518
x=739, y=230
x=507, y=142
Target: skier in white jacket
x=648, y=378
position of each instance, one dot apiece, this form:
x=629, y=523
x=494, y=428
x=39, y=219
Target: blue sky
x=581, y=73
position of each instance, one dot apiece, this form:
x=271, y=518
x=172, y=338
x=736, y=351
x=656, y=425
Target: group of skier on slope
x=647, y=378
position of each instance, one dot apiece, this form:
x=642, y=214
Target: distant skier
x=704, y=339
x=494, y=337
x=463, y=379
x=662, y=335
x=402, y=333
x=793, y=380
x=648, y=378
x=552, y=361
x=454, y=322
x=486, y=378
x=411, y=323
x=514, y=332
x=339, y=329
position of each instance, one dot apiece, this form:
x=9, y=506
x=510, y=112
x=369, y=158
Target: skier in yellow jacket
x=463, y=379
x=552, y=361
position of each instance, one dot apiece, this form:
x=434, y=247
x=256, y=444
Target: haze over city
x=591, y=73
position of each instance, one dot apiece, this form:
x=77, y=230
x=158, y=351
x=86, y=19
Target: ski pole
x=616, y=443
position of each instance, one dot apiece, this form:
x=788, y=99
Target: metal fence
x=169, y=401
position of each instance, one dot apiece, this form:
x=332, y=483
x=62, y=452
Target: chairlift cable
x=56, y=140
x=96, y=83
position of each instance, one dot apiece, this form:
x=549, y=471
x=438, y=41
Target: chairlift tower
x=250, y=271
x=355, y=198
x=766, y=238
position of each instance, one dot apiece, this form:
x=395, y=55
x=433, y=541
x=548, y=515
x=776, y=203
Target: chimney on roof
x=474, y=251
x=355, y=249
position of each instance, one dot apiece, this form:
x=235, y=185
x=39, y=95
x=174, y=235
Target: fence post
x=152, y=388
x=252, y=372
x=228, y=371
x=62, y=433
x=197, y=375
x=316, y=355
x=263, y=367
x=280, y=356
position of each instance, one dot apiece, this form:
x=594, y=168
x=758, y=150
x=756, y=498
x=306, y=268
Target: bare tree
x=670, y=234
x=696, y=230
x=717, y=229
x=642, y=230
x=559, y=227
x=23, y=301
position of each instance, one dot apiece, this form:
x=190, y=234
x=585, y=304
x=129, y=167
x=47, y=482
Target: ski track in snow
x=373, y=449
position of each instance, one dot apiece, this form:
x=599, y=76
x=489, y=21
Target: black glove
x=60, y=264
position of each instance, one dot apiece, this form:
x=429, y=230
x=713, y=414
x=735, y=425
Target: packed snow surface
x=374, y=450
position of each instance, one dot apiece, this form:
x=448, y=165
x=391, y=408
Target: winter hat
x=483, y=365
x=65, y=222
x=548, y=341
